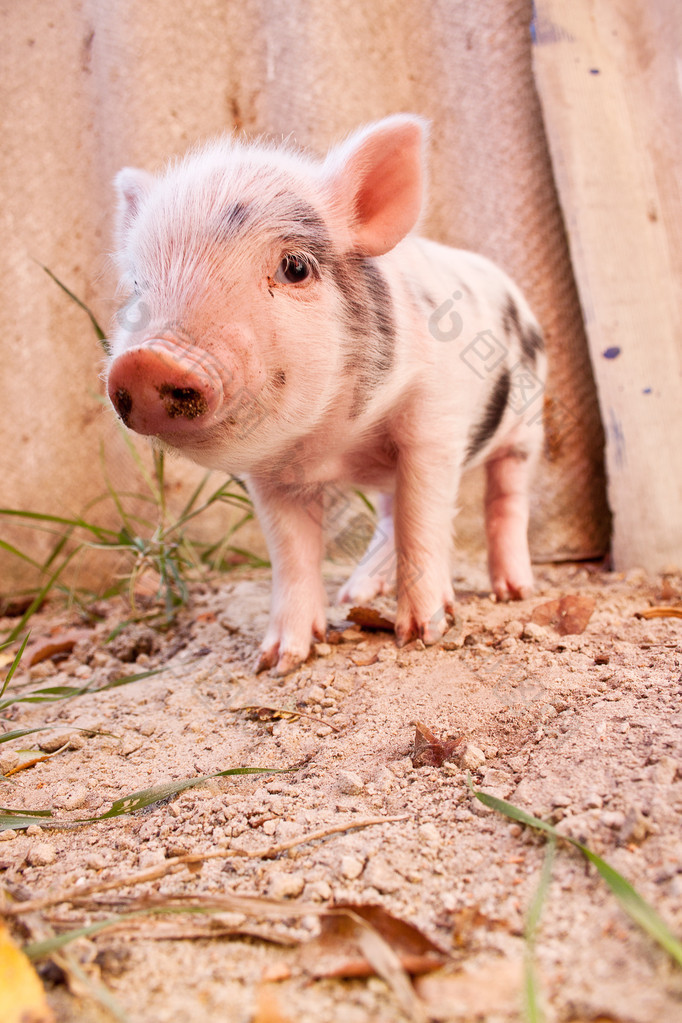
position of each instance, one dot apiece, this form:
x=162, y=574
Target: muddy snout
x=163, y=388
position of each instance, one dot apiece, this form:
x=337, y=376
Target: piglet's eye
x=293, y=270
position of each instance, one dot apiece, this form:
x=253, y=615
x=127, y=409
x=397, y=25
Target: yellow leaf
x=22, y=999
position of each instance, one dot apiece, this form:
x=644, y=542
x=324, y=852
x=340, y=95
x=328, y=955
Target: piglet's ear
x=376, y=177
x=132, y=186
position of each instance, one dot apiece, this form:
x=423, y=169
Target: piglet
x=285, y=325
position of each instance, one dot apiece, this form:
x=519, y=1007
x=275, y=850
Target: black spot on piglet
x=529, y=337
x=485, y=429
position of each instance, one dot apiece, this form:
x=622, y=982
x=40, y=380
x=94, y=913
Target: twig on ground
x=187, y=859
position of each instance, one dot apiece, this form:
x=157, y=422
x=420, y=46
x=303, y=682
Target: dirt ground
x=584, y=729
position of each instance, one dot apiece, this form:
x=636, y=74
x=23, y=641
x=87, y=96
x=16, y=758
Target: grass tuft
x=156, y=545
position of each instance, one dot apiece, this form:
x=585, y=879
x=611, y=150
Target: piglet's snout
x=163, y=388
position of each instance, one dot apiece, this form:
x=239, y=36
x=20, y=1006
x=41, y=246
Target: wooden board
x=609, y=76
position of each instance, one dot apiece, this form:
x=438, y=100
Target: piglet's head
x=251, y=273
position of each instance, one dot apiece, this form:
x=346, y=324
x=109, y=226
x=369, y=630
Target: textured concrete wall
x=89, y=87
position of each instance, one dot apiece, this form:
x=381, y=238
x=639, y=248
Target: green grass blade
x=531, y=987
x=96, y=992
x=366, y=501
x=19, y=733
x=51, y=694
x=15, y=662
x=26, y=813
x=100, y=532
x=192, y=500
x=634, y=905
x=19, y=554
x=101, y=336
x=141, y=467
x=17, y=822
x=17, y=819
x=535, y=910
x=159, y=462
x=147, y=797
x=113, y=493
x=637, y=908
x=514, y=812
x=40, y=949
x=40, y=596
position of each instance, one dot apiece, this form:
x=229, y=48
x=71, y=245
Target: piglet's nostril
x=187, y=402
x=123, y=403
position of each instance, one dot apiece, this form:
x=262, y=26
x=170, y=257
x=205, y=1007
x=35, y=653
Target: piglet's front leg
x=424, y=507
x=293, y=531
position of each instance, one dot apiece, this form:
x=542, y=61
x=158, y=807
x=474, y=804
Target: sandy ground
x=583, y=729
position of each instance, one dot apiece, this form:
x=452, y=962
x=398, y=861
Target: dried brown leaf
x=568, y=615
x=371, y=620
x=335, y=952
x=61, y=643
x=359, y=940
x=430, y=751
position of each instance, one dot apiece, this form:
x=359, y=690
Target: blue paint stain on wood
x=616, y=438
x=611, y=353
x=543, y=31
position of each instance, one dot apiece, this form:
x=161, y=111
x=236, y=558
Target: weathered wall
x=89, y=87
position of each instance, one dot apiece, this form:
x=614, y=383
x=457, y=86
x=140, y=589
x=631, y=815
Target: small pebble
x=382, y=877
x=350, y=783
x=514, y=628
x=665, y=771
x=636, y=827
x=96, y=861
x=472, y=758
x=429, y=833
x=319, y=891
x=73, y=799
x=150, y=857
x=8, y=761
x=351, y=867
x=41, y=854
x=51, y=743
x=285, y=886
x=560, y=799
x=613, y=818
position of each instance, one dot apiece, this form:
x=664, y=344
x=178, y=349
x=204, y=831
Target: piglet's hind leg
x=375, y=573
x=506, y=519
